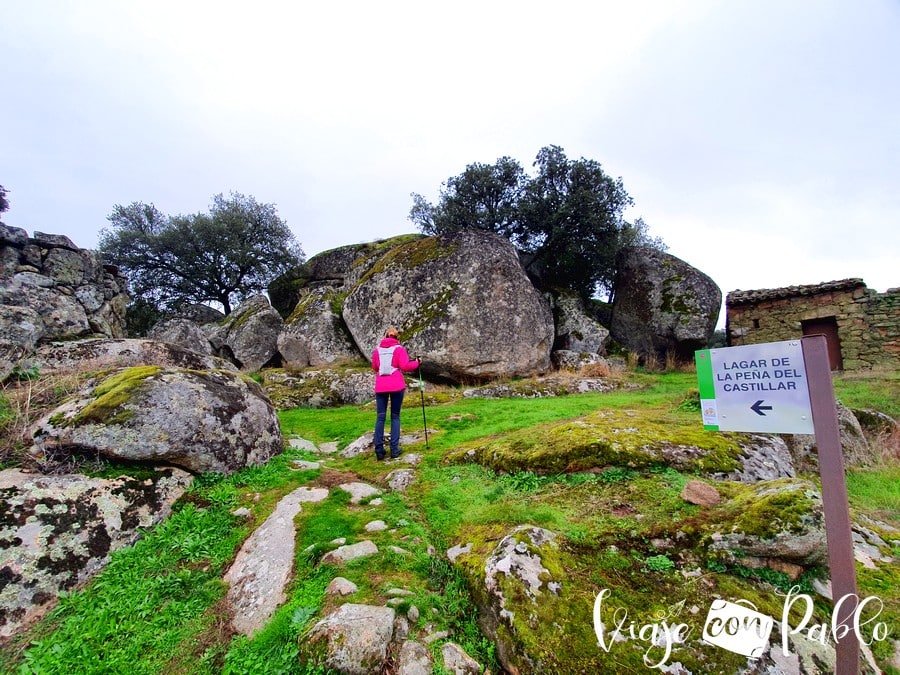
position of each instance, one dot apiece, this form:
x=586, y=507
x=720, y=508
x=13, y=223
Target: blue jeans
x=381, y=404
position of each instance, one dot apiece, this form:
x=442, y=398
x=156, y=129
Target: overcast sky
x=759, y=139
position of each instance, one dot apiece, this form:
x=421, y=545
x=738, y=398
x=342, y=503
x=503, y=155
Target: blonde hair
x=392, y=332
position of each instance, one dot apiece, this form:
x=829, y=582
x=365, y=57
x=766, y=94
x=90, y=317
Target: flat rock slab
x=263, y=565
x=302, y=444
x=366, y=443
x=57, y=531
x=401, y=479
x=359, y=491
x=303, y=465
x=344, y=554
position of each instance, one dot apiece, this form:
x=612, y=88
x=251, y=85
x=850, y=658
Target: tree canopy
x=567, y=219
x=222, y=256
x=4, y=202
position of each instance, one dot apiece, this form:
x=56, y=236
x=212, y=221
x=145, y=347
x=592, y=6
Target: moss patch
x=428, y=313
x=628, y=438
x=766, y=509
x=111, y=395
x=411, y=255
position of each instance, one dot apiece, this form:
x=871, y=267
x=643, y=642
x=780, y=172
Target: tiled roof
x=750, y=297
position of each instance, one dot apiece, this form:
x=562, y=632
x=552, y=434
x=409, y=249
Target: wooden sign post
x=785, y=388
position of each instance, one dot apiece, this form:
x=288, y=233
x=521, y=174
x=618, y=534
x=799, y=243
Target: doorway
x=828, y=327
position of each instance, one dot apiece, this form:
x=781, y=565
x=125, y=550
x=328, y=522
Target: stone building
x=862, y=326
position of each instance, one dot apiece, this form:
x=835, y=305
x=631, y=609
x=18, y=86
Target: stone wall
x=52, y=290
x=867, y=322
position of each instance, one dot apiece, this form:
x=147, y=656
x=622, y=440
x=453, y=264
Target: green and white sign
x=761, y=388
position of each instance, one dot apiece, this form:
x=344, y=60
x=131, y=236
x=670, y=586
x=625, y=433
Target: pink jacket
x=401, y=361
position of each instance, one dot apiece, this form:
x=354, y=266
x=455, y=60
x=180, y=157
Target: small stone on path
x=344, y=554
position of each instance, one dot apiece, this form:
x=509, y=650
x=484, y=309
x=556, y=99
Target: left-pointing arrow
x=758, y=408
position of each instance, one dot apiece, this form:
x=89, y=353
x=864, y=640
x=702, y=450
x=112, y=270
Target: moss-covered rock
x=200, y=420
x=248, y=336
x=314, y=334
x=461, y=301
x=319, y=388
x=780, y=519
x=662, y=305
x=625, y=438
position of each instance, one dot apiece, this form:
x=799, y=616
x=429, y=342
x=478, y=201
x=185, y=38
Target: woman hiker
x=390, y=360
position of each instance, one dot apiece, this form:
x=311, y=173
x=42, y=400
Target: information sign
x=758, y=388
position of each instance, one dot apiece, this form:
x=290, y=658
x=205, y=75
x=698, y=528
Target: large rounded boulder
x=662, y=305
x=203, y=421
x=248, y=336
x=461, y=301
x=314, y=333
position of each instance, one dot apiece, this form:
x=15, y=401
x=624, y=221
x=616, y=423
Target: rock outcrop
x=576, y=330
x=202, y=421
x=50, y=290
x=104, y=353
x=262, y=568
x=462, y=301
x=58, y=531
x=248, y=336
x=314, y=334
x=183, y=333
x=662, y=305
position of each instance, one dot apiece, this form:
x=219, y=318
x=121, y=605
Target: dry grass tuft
x=22, y=404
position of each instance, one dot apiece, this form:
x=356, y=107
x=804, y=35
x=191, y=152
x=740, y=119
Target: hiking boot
x=395, y=455
x=379, y=455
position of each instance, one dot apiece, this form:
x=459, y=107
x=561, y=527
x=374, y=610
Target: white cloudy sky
x=760, y=139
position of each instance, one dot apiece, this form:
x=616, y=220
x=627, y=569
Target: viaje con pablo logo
x=737, y=626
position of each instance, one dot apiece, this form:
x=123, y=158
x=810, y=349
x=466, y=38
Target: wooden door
x=828, y=328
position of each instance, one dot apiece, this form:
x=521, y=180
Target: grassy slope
x=158, y=606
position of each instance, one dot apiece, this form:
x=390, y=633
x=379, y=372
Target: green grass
x=876, y=390
x=876, y=489
x=157, y=607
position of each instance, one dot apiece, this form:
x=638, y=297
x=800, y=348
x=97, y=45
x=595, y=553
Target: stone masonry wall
x=52, y=290
x=868, y=322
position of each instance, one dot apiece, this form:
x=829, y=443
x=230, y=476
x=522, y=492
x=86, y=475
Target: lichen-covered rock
x=457, y=662
x=625, y=438
x=521, y=580
x=199, y=420
x=248, y=336
x=57, y=531
x=263, y=566
x=353, y=640
x=854, y=444
x=461, y=301
x=314, y=334
x=779, y=519
x=200, y=314
x=103, y=354
x=20, y=330
x=320, y=387
x=565, y=359
x=662, y=305
x=763, y=457
x=576, y=331
x=414, y=659
x=181, y=332
x=62, y=316
x=70, y=291
x=337, y=268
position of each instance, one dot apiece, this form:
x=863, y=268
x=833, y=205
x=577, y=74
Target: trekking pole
x=422, y=392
